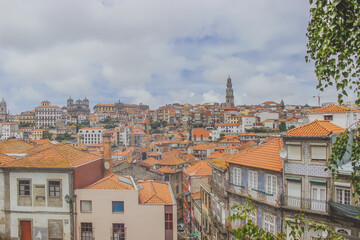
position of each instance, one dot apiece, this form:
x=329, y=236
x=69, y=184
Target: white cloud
x=140, y=48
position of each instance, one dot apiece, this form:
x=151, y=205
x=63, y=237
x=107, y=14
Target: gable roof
x=151, y=161
x=4, y=159
x=171, y=161
x=334, y=108
x=57, y=156
x=199, y=169
x=111, y=182
x=14, y=146
x=153, y=192
x=317, y=128
x=266, y=156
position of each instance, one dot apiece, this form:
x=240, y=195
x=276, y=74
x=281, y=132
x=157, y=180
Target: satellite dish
x=106, y=165
x=283, y=153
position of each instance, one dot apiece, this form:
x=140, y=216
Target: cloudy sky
x=154, y=51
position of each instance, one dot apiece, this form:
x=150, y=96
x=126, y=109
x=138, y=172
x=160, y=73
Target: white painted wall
x=39, y=215
x=342, y=119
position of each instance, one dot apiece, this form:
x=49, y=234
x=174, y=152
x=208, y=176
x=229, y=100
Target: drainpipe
x=69, y=198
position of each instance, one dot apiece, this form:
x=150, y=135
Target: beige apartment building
x=115, y=208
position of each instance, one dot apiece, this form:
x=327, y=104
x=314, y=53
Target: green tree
x=282, y=126
x=296, y=228
x=334, y=44
x=47, y=135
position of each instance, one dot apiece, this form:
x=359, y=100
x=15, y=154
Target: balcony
x=305, y=203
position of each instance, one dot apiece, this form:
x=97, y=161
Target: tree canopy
x=334, y=45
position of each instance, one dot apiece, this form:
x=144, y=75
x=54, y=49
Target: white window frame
x=339, y=230
x=236, y=176
x=252, y=180
x=269, y=226
x=270, y=188
x=342, y=189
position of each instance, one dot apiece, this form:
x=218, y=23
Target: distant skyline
x=155, y=52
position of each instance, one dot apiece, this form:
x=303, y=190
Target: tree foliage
x=296, y=228
x=334, y=44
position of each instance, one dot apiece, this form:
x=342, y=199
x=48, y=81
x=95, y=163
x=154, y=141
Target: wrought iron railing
x=305, y=203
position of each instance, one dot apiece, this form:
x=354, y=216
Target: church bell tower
x=229, y=94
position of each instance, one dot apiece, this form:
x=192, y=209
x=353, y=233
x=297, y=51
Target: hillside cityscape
x=124, y=171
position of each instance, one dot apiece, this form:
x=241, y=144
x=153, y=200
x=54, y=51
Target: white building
x=228, y=128
x=91, y=135
x=47, y=115
x=36, y=189
x=8, y=129
x=264, y=115
x=342, y=116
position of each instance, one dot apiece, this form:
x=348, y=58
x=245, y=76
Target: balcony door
x=25, y=227
x=318, y=198
x=294, y=194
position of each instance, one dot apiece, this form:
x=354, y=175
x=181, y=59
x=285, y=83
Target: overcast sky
x=154, y=51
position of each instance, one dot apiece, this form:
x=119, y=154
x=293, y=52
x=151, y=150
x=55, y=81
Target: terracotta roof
x=230, y=141
x=204, y=146
x=200, y=131
x=166, y=170
x=151, y=161
x=248, y=145
x=333, y=108
x=153, y=192
x=154, y=154
x=264, y=156
x=269, y=102
x=173, y=153
x=216, y=154
x=171, y=161
x=111, y=182
x=199, y=169
x=14, y=146
x=220, y=163
x=317, y=128
x=57, y=156
x=4, y=159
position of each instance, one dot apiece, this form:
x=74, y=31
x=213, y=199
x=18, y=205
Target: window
x=86, y=231
x=24, y=187
x=328, y=117
x=168, y=221
x=269, y=223
x=318, y=153
x=54, y=188
x=343, y=231
x=252, y=216
x=253, y=180
x=85, y=206
x=118, y=207
x=294, y=152
x=118, y=231
x=236, y=178
x=343, y=195
x=271, y=183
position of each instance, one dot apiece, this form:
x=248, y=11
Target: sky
x=154, y=52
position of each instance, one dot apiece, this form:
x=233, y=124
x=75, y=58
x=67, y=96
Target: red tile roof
x=153, y=192
x=199, y=169
x=317, y=128
x=333, y=108
x=111, y=182
x=14, y=146
x=171, y=161
x=264, y=156
x=57, y=156
x=151, y=161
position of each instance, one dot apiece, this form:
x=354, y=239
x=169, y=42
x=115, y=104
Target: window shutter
x=318, y=153
x=294, y=152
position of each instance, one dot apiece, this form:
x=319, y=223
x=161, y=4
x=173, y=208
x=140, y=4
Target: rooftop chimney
x=108, y=164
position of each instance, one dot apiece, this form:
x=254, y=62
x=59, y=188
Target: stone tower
x=3, y=110
x=229, y=93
